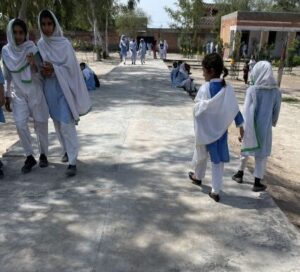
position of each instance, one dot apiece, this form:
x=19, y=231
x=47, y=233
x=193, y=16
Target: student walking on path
x=261, y=112
x=64, y=86
x=216, y=107
x=21, y=67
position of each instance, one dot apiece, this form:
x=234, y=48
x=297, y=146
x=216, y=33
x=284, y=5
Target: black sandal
x=195, y=181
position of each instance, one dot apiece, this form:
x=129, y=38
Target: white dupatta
x=15, y=56
x=212, y=117
x=58, y=51
x=262, y=78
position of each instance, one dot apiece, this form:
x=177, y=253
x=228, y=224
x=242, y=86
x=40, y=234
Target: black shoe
x=195, y=181
x=1, y=174
x=71, y=170
x=65, y=158
x=28, y=164
x=238, y=177
x=215, y=197
x=259, y=187
x=43, y=161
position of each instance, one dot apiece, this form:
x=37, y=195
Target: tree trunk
x=23, y=10
x=282, y=62
x=98, y=45
x=106, y=36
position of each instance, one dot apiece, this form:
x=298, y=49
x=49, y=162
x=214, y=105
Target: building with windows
x=260, y=30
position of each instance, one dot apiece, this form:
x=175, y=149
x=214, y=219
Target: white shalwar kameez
x=67, y=85
x=27, y=96
x=166, y=46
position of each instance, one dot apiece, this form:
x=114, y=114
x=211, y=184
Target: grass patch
x=290, y=100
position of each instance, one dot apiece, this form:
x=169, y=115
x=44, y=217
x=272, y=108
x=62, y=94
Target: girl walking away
x=133, y=50
x=2, y=119
x=64, y=86
x=261, y=111
x=21, y=66
x=142, y=51
x=216, y=107
x=123, y=48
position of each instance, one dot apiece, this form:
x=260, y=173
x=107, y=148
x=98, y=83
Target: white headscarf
x=15, y=56
x=262, y=76
x=58, y=51
x=183, y=70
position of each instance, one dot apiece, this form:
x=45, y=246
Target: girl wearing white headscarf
x=142, y=50
x=21, y=63
x=183, y=79
x=123, y=48
x=261, y=112
x=166, y=46
x=64, y=86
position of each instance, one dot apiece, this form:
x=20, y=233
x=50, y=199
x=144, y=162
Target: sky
x=155, y=8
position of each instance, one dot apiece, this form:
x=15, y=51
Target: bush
x=82, y=45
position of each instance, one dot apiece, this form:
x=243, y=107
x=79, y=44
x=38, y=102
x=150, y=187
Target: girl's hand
x=241, y=134
x=47, y=69
x=31, y=61
x=7, y=104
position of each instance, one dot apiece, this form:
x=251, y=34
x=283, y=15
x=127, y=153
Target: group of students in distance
x=140, y=49
x=215, y=109
x=42, y=80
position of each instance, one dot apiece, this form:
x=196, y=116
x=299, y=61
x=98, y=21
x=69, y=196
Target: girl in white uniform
x=64, y=87
x=20, y=59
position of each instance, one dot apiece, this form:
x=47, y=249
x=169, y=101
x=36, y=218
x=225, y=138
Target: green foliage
x=130, y=22
x=82, y=45
x=187, y=18
x=292, y=60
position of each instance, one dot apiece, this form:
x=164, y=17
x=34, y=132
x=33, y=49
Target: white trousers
x=67, y=136
x=41, y=130
x=217, y=174
x=188, y=84
x=133, y=57
x=260, y=165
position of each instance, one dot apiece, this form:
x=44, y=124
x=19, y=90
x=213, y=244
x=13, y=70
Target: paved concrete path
x=131, y=207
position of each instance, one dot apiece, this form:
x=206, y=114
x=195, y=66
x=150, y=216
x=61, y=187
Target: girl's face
x=208, y=74
x=19, y=34
x=47, y=26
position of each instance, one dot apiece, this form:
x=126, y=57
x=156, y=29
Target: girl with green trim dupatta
x=261, y=111
x=21, y=67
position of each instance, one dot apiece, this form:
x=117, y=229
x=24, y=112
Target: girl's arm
x=2, y=99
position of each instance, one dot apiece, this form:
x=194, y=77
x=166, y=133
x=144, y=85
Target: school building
x=260, y=29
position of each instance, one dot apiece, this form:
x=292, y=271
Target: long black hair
x=46, y=14
x=22, y=24
x=214, y=61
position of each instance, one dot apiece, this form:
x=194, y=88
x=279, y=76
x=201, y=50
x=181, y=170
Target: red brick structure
x=259, y=29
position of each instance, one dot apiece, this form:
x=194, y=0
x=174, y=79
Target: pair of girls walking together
x=42, y=80
x=215, y=109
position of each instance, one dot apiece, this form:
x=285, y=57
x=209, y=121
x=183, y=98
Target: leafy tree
x=131, y=22
x=187, y=17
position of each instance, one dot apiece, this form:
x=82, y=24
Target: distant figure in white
x=142, y=50
x=123, y=48
x=133, y=50
x=161, y=49
x=166, y=46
